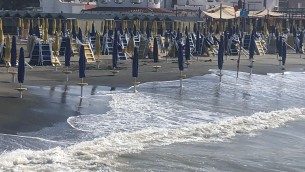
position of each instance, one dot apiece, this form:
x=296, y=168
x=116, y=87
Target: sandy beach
x=22, y=118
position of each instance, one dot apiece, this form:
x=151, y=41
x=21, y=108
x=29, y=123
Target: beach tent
x=223, y=12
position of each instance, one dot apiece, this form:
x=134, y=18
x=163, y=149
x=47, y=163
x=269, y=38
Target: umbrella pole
x=13, y=75
x=134, y=85
x=251, y=67
x=220, y=75
x=181, y=79
x=20, y=92
x=81, y=91
x=238, y=60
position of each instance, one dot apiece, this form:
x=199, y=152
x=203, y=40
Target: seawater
x=207, y=125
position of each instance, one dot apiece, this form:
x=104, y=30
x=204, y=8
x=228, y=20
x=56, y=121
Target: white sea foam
x=139, y=121
x=101, y=153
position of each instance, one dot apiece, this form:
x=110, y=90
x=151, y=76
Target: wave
x=101, y=153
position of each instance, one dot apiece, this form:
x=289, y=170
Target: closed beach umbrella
x=80, y=35
x=21, y=70
x=161, y=30
x=1, y=35
x=102, y=26
x=197, y=42
x=8, y=49
x=301, y=40
x=31, y=32
x=76, y=25
x=178, y=35
x=147, y=32
x=13, y=52
x=130, y=46
x=217, y=29
x=195, y=28
x=115, y=50
x=70, y=25
x=68, y=53
x=37, y=31
x=187, y=48
x=135, y=63
x=134, y=30
x=56, y=43
x=92, y=29
x=211, y=29
x=73, y=31
x=54, y=26
x=252, y=46
x=294, y=32
x=180, y=57
x=220, y=52
x=98, y=45
x=45, y=35
x=155, y=51
x=279, y=46
x=86, y=27
x=63, y=27
x=82, y=62
x=284, y=53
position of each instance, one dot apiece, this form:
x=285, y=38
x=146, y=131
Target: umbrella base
x=156, y=68
x=67, y=72
x=21, y=89
x=219, y=74
x=188, y=63
x=82, y=84
x=182, y=76
x=114, y=72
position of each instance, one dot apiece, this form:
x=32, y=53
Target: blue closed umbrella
x=161, y=30
x=197, y=42
x=14, y=52
x=73, y=31
x=80, y=35
x=217, y=30
x=37, y=31
x=135, y=63
x=284, y=53
x=220, y=53
x=82, y=62
x=279, y=45
x=301, y=40
x=155, y=51
x=187, y=48
x=178, y=35
x=252, y=46
x=21, y=70
x=63, y=29
x=134, y=30
x=195, y=28
x=68, y=53
x=115, y=50
x=147, y=32
x=186, y=30
x=211, y=29
x=31, y=32
x=92, y=30
x=180, y=57
x=294, y=31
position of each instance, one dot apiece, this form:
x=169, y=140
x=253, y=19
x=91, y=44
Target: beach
x=48, y=115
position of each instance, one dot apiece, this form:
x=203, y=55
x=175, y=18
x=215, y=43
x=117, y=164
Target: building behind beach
x=181, y=7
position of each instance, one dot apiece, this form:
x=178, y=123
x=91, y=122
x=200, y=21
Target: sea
x=250, y=123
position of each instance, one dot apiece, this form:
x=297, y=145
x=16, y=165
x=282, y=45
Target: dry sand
x=21, y=115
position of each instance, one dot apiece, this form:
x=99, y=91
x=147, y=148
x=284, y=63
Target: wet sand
x=36, y=112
